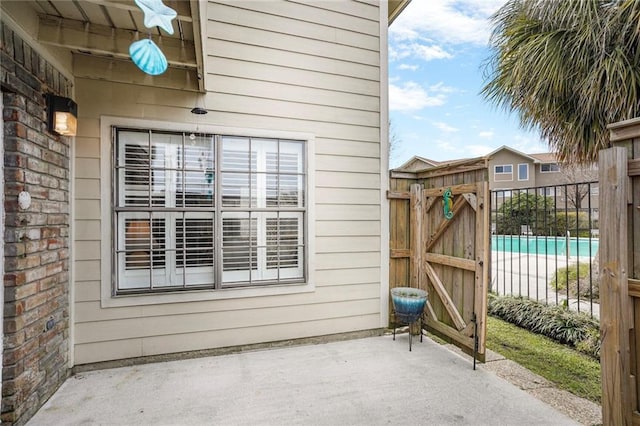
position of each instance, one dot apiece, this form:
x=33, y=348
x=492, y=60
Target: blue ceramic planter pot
x=408, y=303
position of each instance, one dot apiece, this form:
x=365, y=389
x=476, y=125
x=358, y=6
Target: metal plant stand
x=408, y=305
x=409, y=320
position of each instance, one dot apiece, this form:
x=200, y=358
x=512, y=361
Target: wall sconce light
x=62, y=115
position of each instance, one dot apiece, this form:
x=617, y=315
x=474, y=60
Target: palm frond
x=567, y=68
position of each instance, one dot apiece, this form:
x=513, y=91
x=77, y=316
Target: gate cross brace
x=444, y=296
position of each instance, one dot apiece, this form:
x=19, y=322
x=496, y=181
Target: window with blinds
x=206, y=211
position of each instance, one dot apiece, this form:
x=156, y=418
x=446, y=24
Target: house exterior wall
x=500, y=181
x=308, y=69
x=36, y=239
x=549, y=178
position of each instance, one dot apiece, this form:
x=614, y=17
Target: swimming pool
x=544, y=245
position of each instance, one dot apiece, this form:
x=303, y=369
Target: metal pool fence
x=544, y=244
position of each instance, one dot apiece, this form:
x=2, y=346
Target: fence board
x=634, y=215
x=416, y=215
x=482, y=254
x=614, y=313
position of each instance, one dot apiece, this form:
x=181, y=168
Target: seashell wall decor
x=145, y=53
x=148, y=57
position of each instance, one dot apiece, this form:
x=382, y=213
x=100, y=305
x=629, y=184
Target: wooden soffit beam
x=181, y=8
x=101, y=40
x=123, y=71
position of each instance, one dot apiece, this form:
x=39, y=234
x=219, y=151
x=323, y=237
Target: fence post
x=415, y=219
x=614, y=294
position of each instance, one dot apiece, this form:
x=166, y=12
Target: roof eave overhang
x=395, y=8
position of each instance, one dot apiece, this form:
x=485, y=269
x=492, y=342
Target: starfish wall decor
x=145, y=53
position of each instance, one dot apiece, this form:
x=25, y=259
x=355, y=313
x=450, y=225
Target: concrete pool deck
x=368, y=381
x=528, y=275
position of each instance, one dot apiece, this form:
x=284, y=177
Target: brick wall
x=36, y=265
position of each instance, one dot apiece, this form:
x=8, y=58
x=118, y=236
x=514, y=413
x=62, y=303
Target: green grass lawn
x=567, y=368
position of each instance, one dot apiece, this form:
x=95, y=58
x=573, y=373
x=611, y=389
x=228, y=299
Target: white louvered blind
x=171, y=201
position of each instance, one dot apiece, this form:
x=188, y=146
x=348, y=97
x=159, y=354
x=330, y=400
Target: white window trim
x=108, y=300
x=523, y=164
x=495, y=173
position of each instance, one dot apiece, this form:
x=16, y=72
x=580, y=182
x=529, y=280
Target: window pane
x=195, y=249
x=239, y=252
x=133, y=168
x=235, y=154
x=235, y=189
x=265, y=153
x=194, y=242
x=141, y=251
x=138, y=244
x=284, y=248
x=282, y=234
x=523, y=172
x=292, y=157
x=291, y=190
x=164, y=167
x=195, y=180
x=271, y=190
x=144, y=243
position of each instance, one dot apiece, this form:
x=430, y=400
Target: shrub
x=524, y=209
x=575, y=329
x=577, y=223
x=576, y=274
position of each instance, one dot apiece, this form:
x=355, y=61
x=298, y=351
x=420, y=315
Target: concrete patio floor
x=368, y=381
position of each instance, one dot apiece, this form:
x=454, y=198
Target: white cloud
x=408, y=67
x=487, y=134
x=448, y=21
x=478, y=150
x=457, y=150
x=440, y=87
x=444, y=127
x=411, y=96
x=428, y=53
x=399, y=51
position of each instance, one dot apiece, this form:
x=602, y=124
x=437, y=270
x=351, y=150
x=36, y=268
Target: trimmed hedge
x=575, y=329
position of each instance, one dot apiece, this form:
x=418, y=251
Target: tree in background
x=525, y=212
x=578, y=180
x=568, y=68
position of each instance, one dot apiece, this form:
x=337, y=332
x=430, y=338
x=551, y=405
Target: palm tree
x=568, y=68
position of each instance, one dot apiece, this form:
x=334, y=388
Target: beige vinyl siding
x=162, y=344
x=281, y=67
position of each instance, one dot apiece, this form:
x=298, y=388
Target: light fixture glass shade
x=62, y=115
x=64, y=123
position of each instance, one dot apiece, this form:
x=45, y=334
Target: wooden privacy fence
x=439, y=242
x=619, y=169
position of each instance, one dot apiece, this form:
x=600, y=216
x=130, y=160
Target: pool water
x=544, y=245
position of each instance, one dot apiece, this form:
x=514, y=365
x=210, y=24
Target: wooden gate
x=439, y=242
x=619, y=169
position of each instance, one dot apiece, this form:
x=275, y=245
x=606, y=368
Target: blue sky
x=436, y=52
